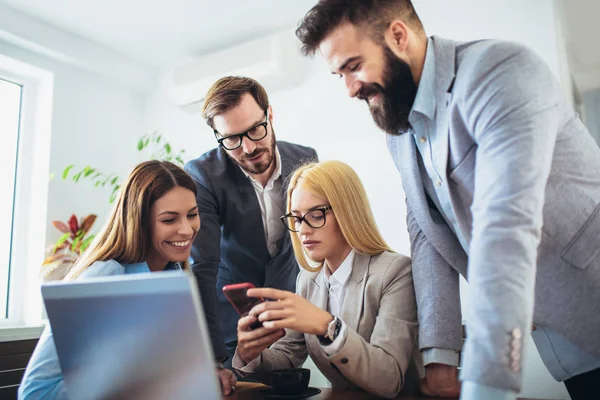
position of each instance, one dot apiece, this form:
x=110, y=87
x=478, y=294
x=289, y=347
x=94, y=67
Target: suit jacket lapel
x=353, y=299
x=445, y=72
x=247, y=195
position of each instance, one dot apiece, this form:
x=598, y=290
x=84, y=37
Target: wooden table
x=252, y=391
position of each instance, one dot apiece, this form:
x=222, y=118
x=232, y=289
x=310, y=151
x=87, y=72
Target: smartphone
x=236, y=294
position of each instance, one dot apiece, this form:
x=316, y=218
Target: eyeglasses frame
x=323, y=209
x=244, y=134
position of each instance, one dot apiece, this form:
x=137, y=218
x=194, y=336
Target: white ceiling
x=165, y=32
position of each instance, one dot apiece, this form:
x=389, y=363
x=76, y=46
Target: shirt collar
x=136, y=268
x=341, y=274
x=142, y=267
x=425, y=99
x=273, y=178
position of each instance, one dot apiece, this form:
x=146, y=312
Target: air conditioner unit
x=275, y=61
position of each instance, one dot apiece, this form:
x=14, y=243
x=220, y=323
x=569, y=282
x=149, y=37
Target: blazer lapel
x=353, y=299
x=445, y=73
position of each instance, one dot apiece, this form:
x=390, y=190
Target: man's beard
x=254, y=168
x=397, y=95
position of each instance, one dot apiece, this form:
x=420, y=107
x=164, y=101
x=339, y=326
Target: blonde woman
x=150, y=229
x=354, y=312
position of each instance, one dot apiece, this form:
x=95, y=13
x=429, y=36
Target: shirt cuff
x=475, y=391
x=335, y=346
x=440, y=356
x=249, y=368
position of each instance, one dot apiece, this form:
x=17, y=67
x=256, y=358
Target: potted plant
x=75, y=239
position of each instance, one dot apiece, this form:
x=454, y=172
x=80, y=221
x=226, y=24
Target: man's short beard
x=258, y=169
x=396, y=96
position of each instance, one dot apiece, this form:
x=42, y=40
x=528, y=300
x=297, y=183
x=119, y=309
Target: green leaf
x=75, y=243
x=115, y=192
x=52, y=175
x=158, y=138
x=140, y=144
x=168, y=147
x=61, y=240
x=180, y=160
x=86, y=242
x=77, y=176
x=88, y=172
x=97, y=183
x=97, y=174
x=114, y=180
x=66, y=171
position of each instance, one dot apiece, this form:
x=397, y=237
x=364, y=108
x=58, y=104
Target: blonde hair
x=337, y=182
x=125, y=237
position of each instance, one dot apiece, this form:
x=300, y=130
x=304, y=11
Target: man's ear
x=396, y=36
x=270, y=111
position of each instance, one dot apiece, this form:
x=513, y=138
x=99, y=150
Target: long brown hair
x=125, y=237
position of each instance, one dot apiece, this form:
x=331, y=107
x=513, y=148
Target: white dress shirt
x=271, y=205
x=337, y=284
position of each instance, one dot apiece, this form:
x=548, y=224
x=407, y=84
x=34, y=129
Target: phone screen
x=242, y=302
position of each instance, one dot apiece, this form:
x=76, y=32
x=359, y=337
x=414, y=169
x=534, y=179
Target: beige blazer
x=380, y=312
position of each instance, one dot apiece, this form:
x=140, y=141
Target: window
x=26, y=94
x=10, y=104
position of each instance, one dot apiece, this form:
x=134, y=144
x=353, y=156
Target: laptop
x=139, y=336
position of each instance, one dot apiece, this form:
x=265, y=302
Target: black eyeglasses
x=315, y=219
x=256, y=133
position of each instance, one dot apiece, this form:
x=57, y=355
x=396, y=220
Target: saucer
x=310, y=391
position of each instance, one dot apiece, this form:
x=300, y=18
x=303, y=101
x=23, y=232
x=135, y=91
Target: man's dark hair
x=374, y=15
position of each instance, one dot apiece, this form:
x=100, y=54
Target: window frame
x=25, y=307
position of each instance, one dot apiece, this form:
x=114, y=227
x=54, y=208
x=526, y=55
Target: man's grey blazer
x=230, y=246
x=380, y=312
x=523, y=175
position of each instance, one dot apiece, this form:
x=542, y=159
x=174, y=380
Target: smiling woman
x=150, y=228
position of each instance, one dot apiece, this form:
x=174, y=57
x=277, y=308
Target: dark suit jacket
x=231, y=247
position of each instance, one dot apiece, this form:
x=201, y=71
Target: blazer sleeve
x=288, y=352
x=437, y=291
x=379, y=366
x=206, y=253
x=514, y=105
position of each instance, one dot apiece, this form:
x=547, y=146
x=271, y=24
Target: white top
x=271, y=205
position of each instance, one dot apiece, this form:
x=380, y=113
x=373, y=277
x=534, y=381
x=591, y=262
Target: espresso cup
x=291, y=381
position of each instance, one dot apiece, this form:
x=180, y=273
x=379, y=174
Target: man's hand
x=290, y=311
x=227, y=380
x=440, y=380
x=252, y=342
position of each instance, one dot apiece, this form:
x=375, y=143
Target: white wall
x=95, y=122
x=591, y=101
x=319, y=114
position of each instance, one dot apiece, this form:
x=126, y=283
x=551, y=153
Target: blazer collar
x=355, y=288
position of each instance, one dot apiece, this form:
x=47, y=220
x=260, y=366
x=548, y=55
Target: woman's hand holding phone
x=251, y=342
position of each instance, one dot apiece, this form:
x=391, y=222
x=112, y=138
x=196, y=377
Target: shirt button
x=438, y=183
x=344, y=360
x=422, y=139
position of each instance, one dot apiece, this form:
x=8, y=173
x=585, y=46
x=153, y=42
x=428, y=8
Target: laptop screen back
x=132, y=336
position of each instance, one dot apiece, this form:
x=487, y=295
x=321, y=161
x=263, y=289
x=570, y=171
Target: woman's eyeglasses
x=314, y=218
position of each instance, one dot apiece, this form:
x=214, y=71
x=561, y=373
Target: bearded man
x=502, y=186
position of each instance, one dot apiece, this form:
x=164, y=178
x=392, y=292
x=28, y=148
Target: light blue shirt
x=43, y=378
x=562, y=358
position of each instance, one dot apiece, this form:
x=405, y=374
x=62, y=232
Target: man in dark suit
x=241, y=191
